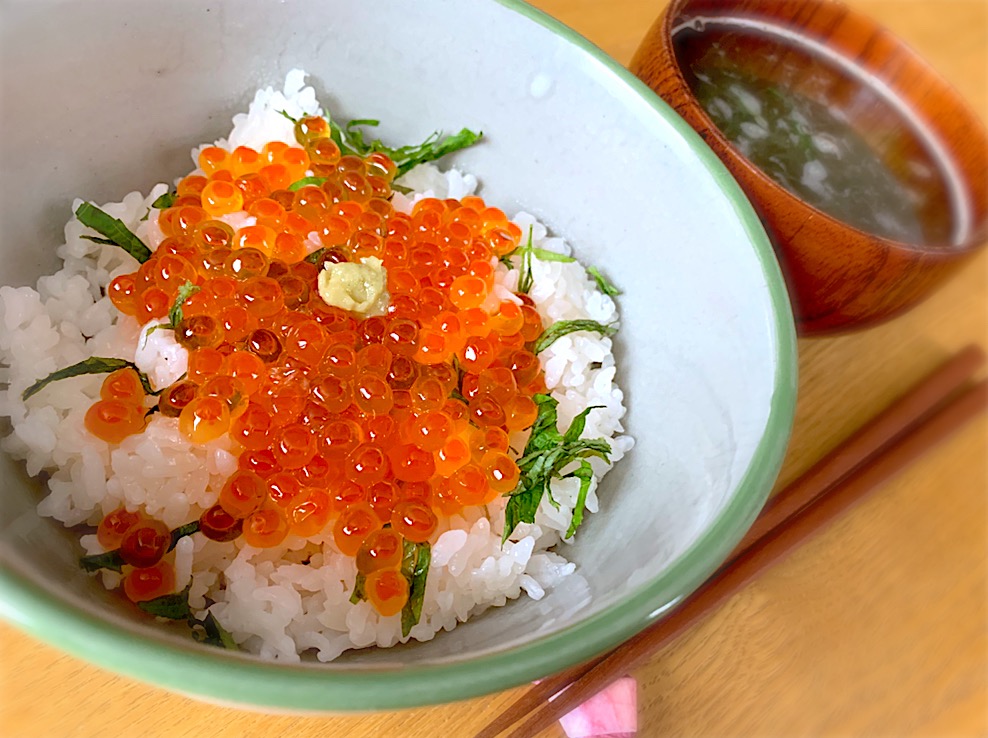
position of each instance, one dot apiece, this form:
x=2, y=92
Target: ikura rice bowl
x=315, y=392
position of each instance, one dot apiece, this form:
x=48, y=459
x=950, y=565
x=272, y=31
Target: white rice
x=294, y=598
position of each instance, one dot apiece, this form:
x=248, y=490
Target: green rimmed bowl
x=706, y=353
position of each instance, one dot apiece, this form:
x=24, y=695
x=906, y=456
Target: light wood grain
x=875, y=628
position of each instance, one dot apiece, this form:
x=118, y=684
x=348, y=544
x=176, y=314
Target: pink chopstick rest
x=611, y=712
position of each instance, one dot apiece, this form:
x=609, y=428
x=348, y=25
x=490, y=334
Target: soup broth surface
x=831, y=140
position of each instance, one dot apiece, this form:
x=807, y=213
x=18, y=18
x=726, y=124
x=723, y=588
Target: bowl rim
x=223, y=677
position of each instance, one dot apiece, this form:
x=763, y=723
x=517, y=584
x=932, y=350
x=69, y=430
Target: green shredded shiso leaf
x=415, y=567
x=602, y=283
x=305, y=182
x=546, y=454
x=415, y=561
x=165, y=201
x=564, y=327
x=525, y=279
x=99, y=240
x=92, y=365
x=350, y=140
x=526, y=253
x=171, y=606
x=176, y=607
x=113, y=230
x=316, y=256
x=585, y=474
x=358, y=593
x=162, y=202
x=110, y=560
x=184, y=293
x=212, y=633
x=175, y=315
x=546, y=255
x=182, y=531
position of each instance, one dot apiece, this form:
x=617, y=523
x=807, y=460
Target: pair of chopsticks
x=930, y=411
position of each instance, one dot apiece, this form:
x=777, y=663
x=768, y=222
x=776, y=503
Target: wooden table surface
x=877, y=627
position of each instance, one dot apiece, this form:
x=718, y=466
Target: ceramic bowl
x=707, y=351
x=839, y=277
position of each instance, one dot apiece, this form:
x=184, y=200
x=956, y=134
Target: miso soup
x=832, y=140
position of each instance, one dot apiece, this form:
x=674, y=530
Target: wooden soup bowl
x=839, y=278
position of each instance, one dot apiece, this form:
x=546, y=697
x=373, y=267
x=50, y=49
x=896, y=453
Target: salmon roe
x=115, y=525
x=366, y=431
x=147, y=583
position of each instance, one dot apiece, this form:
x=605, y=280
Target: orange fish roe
x=373, y=428
x=147, y=583
x=115, y=525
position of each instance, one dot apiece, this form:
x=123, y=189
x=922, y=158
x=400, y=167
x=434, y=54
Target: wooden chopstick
x=857, y=457
x=905, y=413
x=774, y=547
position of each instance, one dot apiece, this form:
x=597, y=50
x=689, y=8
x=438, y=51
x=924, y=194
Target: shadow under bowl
x=840, y=276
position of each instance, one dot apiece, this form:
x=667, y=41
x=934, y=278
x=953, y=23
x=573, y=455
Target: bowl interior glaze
x=707, y=351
